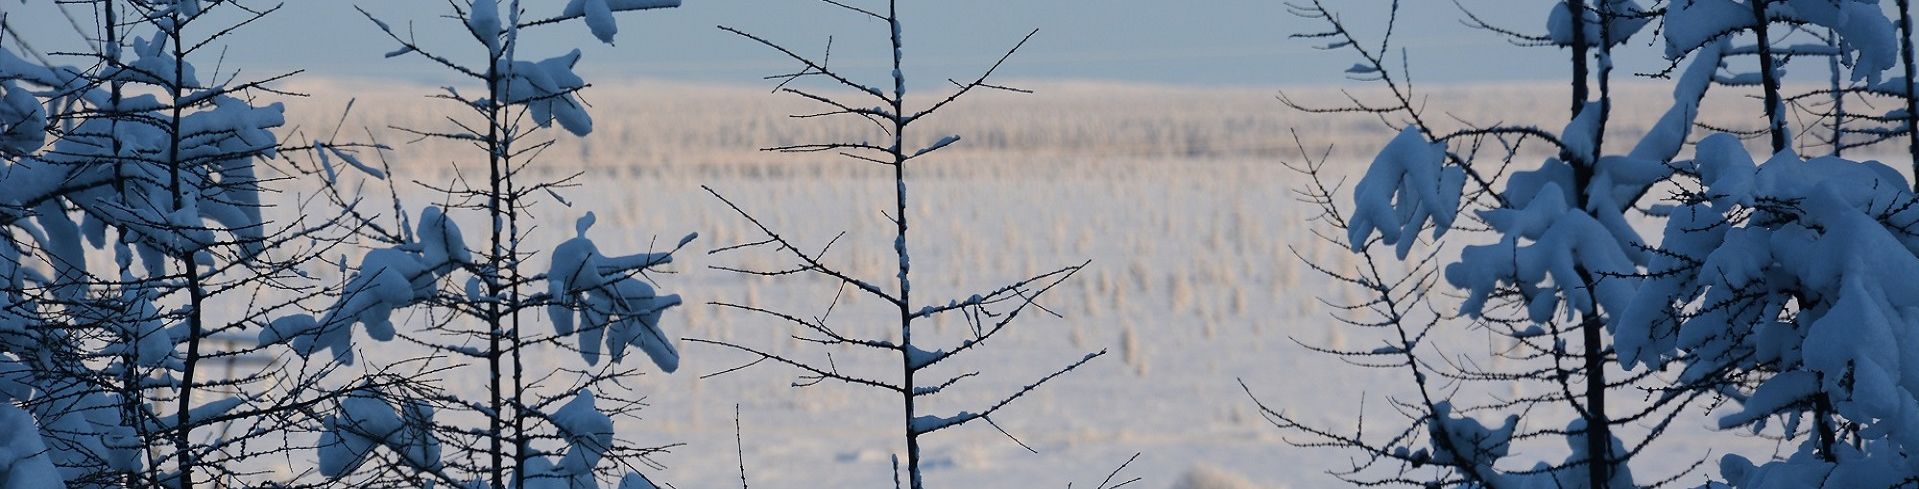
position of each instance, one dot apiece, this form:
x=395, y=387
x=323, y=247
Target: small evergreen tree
x=1735, y=300
x=988, y=314
x=533, y=428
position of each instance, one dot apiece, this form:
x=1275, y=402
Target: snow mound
x=1204, y=476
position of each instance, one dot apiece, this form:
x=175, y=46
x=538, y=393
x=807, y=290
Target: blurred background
x=1154, y=144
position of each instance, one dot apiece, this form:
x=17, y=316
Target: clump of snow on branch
x=367, y=420
x=599, y=13
x=1783, y=282
x=609, y=306
x=387, y=279
x=547, y=88
x=1867, y=31
x=1559, y=24
x=1407, y=186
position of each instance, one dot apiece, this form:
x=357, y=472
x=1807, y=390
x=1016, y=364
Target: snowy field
x=1178, y=198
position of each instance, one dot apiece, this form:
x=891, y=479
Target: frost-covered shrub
x=148, y=163
x=530, y=426
x=1778, y=282
x=129, y=159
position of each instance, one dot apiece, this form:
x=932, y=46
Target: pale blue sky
x=1197, y=42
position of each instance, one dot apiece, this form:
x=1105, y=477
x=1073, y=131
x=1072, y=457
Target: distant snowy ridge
x=677, y=126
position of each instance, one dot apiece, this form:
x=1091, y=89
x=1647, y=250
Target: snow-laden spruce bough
x=140, y=156
x=1777, y=293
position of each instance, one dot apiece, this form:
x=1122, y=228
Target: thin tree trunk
x=130, y=412
x=1769, y=77
x=511, y=272
x=1822, y=415
x=1598, y=424
x=492, y=275
x=1598, y=436
x=1577, y=9
x=1838, y=96
x=1912, y=99
x=183, y=423
x=916, y=481
x=514, y=341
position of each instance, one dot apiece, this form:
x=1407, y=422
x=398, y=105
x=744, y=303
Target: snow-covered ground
x=1193, y=286
x=1188, y=288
